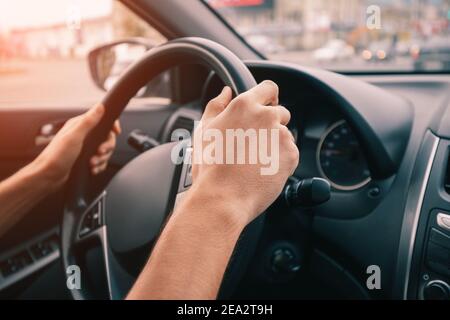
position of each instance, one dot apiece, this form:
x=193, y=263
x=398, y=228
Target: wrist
x=43, y=176
x=216, y=208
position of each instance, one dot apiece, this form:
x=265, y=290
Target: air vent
x=182, y=123
x=447, y=176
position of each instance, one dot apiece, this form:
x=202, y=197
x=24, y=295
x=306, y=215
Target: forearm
x=190, y=258
x=19, y=193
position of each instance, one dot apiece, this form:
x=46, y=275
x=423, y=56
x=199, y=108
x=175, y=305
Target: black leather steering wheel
x=127, y=217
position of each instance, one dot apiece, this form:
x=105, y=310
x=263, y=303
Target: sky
x=32, y=13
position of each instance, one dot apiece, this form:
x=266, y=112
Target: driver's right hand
x=250, y=186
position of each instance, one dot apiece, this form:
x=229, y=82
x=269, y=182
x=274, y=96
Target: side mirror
x=109, y=61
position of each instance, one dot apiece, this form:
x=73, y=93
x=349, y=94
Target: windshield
x=346, y=35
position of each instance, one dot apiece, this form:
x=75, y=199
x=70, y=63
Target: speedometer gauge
x=340, y=159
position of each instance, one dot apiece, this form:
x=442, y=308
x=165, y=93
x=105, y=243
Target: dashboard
x=340, y=159
x=371, y=218
x=331, y=151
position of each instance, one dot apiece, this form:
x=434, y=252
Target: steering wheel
x=128, y=215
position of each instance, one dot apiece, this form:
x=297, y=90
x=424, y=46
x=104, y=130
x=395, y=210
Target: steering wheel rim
x=79, y=197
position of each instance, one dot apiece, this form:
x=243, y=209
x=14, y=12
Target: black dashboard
x=387, y=220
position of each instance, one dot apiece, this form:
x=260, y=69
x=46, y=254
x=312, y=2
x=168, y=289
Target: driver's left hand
x=58, y=158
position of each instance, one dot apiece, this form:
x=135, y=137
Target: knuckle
x=285, y=133
x=272, y=88
x=70, y=137
x=71, y=121
x=211, y=105
x=271, y=112
x=243, y=99
x=214, y=102
x=293, y=155
x=261, y=113
x=271, y=84
x=273, y=116
x=87, y=121
x=112, y=138
x=286, y=111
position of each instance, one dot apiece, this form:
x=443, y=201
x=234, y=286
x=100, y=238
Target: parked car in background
x=379, y=51
x=335, y=49
x=264, y=43
x=433, y=55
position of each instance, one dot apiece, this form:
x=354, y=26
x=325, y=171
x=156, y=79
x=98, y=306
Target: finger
x=218, y=104
x=265, y=93
x=90, y=119
x=98, y=160
x=108, y=145
x=117, y=129
x=283, y=114
x=99, y=169
x=286, y=132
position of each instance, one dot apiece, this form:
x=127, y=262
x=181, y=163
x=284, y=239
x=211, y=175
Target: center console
x=429, y=272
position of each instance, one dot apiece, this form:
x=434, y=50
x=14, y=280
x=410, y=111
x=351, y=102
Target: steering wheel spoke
x=98, y=237
x=93, y=232
x=92, y=219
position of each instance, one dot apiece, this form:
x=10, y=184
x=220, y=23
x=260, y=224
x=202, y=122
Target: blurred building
x=59, y=41
x=320, y=20
x=62, y=40
x=288, y=25
x=304, y=24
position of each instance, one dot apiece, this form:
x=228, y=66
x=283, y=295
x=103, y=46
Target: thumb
x=218, y=104
x=90, y=119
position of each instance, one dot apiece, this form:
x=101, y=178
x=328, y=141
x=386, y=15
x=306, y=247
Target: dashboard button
x=438, y=253
x=440, y=238
x=15, y=263
x=438, y=259
x=436, y=290
x=443, y=220
x=41, y=249
x=440, y=268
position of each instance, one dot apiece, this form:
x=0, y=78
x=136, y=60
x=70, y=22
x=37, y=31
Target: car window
x=44, y=46
x=346, y=35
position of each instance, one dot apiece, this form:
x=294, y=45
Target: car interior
x=380, y=138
